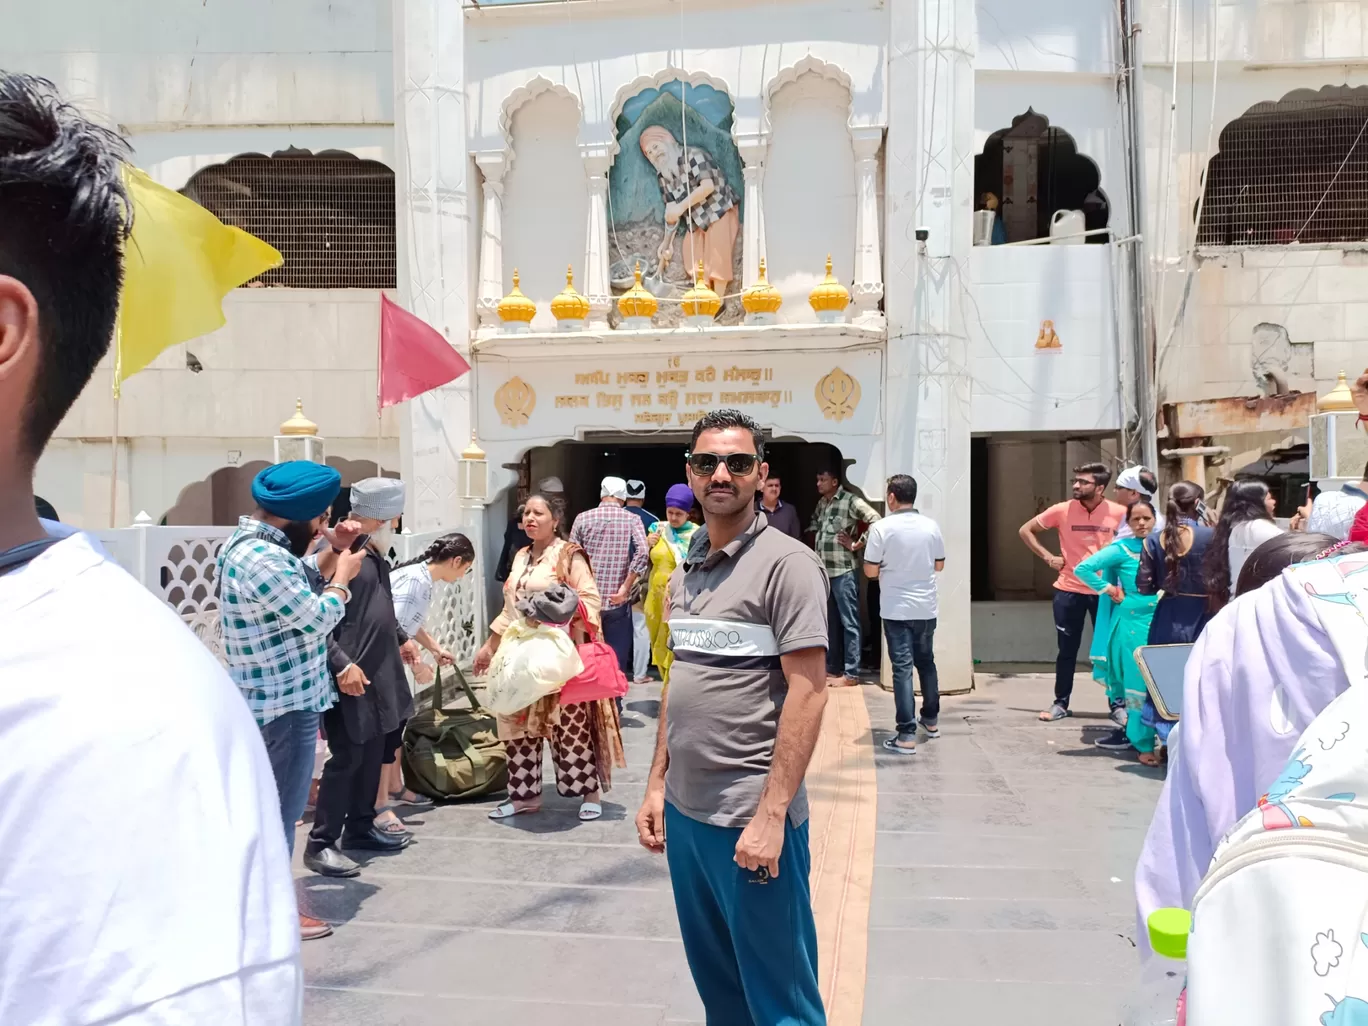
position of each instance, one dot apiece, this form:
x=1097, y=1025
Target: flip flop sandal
x=590, y=811
x=393, y=826
x=419, y=801
x=508, y=810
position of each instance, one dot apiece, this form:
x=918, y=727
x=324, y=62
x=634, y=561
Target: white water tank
x=1067, y=227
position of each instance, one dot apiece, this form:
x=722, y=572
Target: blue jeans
x=1071, y=611
x=290, y=741
x=750, y=940
x=909, y=646
x=845, y=594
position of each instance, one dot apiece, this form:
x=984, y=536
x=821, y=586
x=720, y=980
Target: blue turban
x=680, y=496
x=297, y=490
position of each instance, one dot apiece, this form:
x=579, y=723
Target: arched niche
x=1035, y=169
x=810, y=185
x=1290, y=170
x=545, y=200
x=330, y=214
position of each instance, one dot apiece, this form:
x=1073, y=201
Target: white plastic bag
x=531, y=663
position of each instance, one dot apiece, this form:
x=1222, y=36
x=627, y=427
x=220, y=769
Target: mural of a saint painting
x=696, y=193
x=676, y=195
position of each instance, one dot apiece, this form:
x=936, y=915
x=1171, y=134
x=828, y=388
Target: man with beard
x=695, y=191
x=725, y=798
x=365, y=727
x=275, y=628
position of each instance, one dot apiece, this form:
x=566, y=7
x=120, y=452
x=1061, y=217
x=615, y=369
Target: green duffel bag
x=453, y=753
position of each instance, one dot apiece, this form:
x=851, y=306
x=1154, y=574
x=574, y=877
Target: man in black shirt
x=363, y=729
x=779, y=513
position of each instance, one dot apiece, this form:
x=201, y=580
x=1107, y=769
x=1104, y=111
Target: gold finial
x=515, y=307
x=299, y=424
x=637, y=302
x=473, y=450
x=701, y=300
x=569, y=305
x=830, y=297
x=762, y=297
x=1339, y=399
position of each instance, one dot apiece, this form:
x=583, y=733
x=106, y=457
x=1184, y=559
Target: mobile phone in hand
x=360, y=543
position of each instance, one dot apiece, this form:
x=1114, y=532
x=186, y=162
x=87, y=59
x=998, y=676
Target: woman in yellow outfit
x=669, y=544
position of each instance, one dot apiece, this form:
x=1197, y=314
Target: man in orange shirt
x=1085, y=524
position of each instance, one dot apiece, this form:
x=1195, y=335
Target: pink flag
x=414, y=357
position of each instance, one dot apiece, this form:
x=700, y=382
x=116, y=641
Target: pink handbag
x=602, y=677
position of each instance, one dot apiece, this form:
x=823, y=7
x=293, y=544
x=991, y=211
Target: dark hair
x=1275, y=555
x=45, y=509
x=1097, y=471
x=1148, y=481
x=1244, y=502
x=1142, y=501
x=64, y=213
x=722, y=420
x=830, y=472
x=444, y=550
x=554, y=503
x=1183, y=499
x=903, y=487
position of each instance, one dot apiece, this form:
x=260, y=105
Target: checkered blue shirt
x=275, y=628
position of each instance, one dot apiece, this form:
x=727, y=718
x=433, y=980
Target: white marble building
x=846, y=128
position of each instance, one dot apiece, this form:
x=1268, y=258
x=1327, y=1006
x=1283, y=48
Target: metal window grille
x=331, y=215
x=1291, y=170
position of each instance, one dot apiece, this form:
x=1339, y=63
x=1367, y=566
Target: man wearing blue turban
x=275, y=628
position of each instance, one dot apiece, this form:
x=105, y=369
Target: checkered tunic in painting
x=694, y=169
x=275, y=629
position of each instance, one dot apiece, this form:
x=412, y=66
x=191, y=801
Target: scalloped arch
x=694, y=78
x=809, y=65
x=524, y=95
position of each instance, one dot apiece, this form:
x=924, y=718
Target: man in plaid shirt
x=615, y=543
x=275, y=628
x=839, y=514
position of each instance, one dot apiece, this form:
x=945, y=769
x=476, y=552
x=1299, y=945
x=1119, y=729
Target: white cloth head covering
x=636, y=489
x=378, y=498
x=613, y=488
x=1130, y=478
x=550, y=484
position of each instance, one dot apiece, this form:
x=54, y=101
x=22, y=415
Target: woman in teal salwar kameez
x=1124, y=626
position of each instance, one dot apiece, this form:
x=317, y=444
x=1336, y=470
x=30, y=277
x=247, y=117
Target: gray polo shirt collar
x=702, y=556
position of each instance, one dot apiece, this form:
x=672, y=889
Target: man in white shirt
x=143, y=872
x=904, y=551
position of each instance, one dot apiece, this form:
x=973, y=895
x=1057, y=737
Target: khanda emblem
x=515, y=400
x=837, y=395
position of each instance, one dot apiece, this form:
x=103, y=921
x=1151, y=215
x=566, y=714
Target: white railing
x=178, y=565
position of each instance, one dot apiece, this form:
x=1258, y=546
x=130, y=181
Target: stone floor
x=1004, y=864
x=1000, y=888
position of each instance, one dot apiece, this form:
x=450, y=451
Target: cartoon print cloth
x=1260, y=672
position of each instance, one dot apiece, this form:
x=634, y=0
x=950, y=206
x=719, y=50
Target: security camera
x=923, y=234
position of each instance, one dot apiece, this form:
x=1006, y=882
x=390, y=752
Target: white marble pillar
x=929, y=184
x=432, y=202
x=868, y=287
x=597, y=286
x=752, y=150
x=492, y=164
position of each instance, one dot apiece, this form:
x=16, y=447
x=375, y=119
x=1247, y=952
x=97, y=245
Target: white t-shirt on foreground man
x=143, y=873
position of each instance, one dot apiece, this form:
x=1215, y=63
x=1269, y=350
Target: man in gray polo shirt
x=747, y=615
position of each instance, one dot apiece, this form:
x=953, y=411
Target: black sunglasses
x=739, y=464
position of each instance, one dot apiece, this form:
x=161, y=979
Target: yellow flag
x=179, y=263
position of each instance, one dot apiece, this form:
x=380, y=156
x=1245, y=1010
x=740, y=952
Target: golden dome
x=700, y=301
x=515, y=307
x=299, y=424
x=637, y=301
x=569, y=305
x=830, y=296
x=762, y=297
x=1339, y=399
